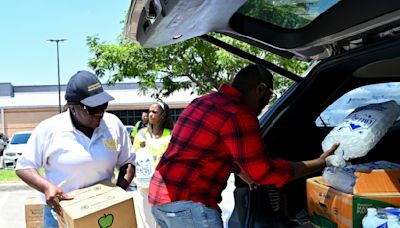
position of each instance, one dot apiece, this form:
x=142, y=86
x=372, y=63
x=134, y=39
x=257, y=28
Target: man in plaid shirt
x=218, y=134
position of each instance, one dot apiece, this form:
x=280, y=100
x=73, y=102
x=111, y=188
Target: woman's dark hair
x=166, y=117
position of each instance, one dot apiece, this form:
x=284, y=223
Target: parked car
x=3, y=145
x=354, y=46
x=129, y=128
x=15, y=148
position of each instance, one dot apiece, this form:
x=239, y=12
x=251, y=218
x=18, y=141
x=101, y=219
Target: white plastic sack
x=144, y=167
x=344, y=179
x=339, y=178
x=360, y=131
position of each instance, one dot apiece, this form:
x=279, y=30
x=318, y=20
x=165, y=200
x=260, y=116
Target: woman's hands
x=53, y=196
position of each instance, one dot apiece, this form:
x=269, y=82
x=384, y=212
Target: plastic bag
x=344, y=179
x=144, y=166
x=360, y=131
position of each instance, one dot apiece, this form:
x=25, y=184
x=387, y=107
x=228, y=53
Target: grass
x=8, y=175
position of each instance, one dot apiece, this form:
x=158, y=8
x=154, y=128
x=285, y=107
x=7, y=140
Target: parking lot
x=12, y=200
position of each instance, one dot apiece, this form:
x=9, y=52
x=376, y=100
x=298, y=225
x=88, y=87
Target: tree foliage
x=192, y=64
x=284, y=13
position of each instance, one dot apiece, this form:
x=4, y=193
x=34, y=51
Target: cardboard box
x=101, y=206
x=332, y=208
x=34, y=212
x=35, y=225
x=377, y=182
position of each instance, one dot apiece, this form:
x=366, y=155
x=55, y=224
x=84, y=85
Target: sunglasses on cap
x=94, y=110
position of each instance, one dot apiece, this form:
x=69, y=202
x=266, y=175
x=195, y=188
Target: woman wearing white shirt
x=76, y=148
x=149, y=145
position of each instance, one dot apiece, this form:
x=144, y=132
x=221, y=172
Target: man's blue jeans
x=186, y=214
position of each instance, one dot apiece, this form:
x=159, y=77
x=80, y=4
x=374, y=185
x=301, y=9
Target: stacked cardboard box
x=34, y=212
x=329, y=207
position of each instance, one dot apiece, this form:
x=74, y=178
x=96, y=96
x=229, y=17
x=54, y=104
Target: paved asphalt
x=12, y=201
x=13, y=195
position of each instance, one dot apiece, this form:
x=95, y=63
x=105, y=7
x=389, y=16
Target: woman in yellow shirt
x=149, y=145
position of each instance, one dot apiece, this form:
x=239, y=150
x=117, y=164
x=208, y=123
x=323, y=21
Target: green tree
x=193, y=63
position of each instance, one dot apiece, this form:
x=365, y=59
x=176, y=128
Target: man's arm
x=125, y=176
x=241, y=134
x=246, y=146
x=300, y=169
x=303, y=168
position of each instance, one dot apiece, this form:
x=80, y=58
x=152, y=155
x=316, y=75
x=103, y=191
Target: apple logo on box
x=106, y=220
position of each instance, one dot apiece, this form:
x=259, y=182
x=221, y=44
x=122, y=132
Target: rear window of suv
x=369, y=94
x=286, y=14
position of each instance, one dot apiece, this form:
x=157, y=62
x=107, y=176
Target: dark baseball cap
x=86, y=88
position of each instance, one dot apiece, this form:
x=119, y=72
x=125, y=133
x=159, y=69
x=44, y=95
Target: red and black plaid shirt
x=212, y=133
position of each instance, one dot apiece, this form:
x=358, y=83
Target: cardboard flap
x=85, y=193
x=96, y=200
x=378, y=181
x=33, y=210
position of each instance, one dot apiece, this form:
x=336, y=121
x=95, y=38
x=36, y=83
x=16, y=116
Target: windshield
x=20, y=138
x=286, y=13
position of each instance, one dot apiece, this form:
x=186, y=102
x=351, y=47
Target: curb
x=14, y=187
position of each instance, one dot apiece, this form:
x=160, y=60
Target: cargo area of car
x=353, y=43
x=290, y=131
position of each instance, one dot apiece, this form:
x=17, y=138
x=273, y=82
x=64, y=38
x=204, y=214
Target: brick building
x=23, y=107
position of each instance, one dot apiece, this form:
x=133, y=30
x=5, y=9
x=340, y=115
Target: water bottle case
x=373, y=220
x=381, y=218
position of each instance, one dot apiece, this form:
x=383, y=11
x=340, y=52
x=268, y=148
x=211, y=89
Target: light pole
x=58, y=69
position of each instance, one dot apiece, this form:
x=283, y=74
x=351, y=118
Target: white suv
x=15, y=148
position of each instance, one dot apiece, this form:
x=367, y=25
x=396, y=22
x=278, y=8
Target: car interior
x=290, y=131
x=352, y=43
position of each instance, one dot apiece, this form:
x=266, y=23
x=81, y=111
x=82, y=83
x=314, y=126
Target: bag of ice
x=360, y=131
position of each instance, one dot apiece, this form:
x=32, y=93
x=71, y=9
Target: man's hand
x=246, y=178
x=329, y=152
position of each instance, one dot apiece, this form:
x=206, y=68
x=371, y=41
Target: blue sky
x=26, y=58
